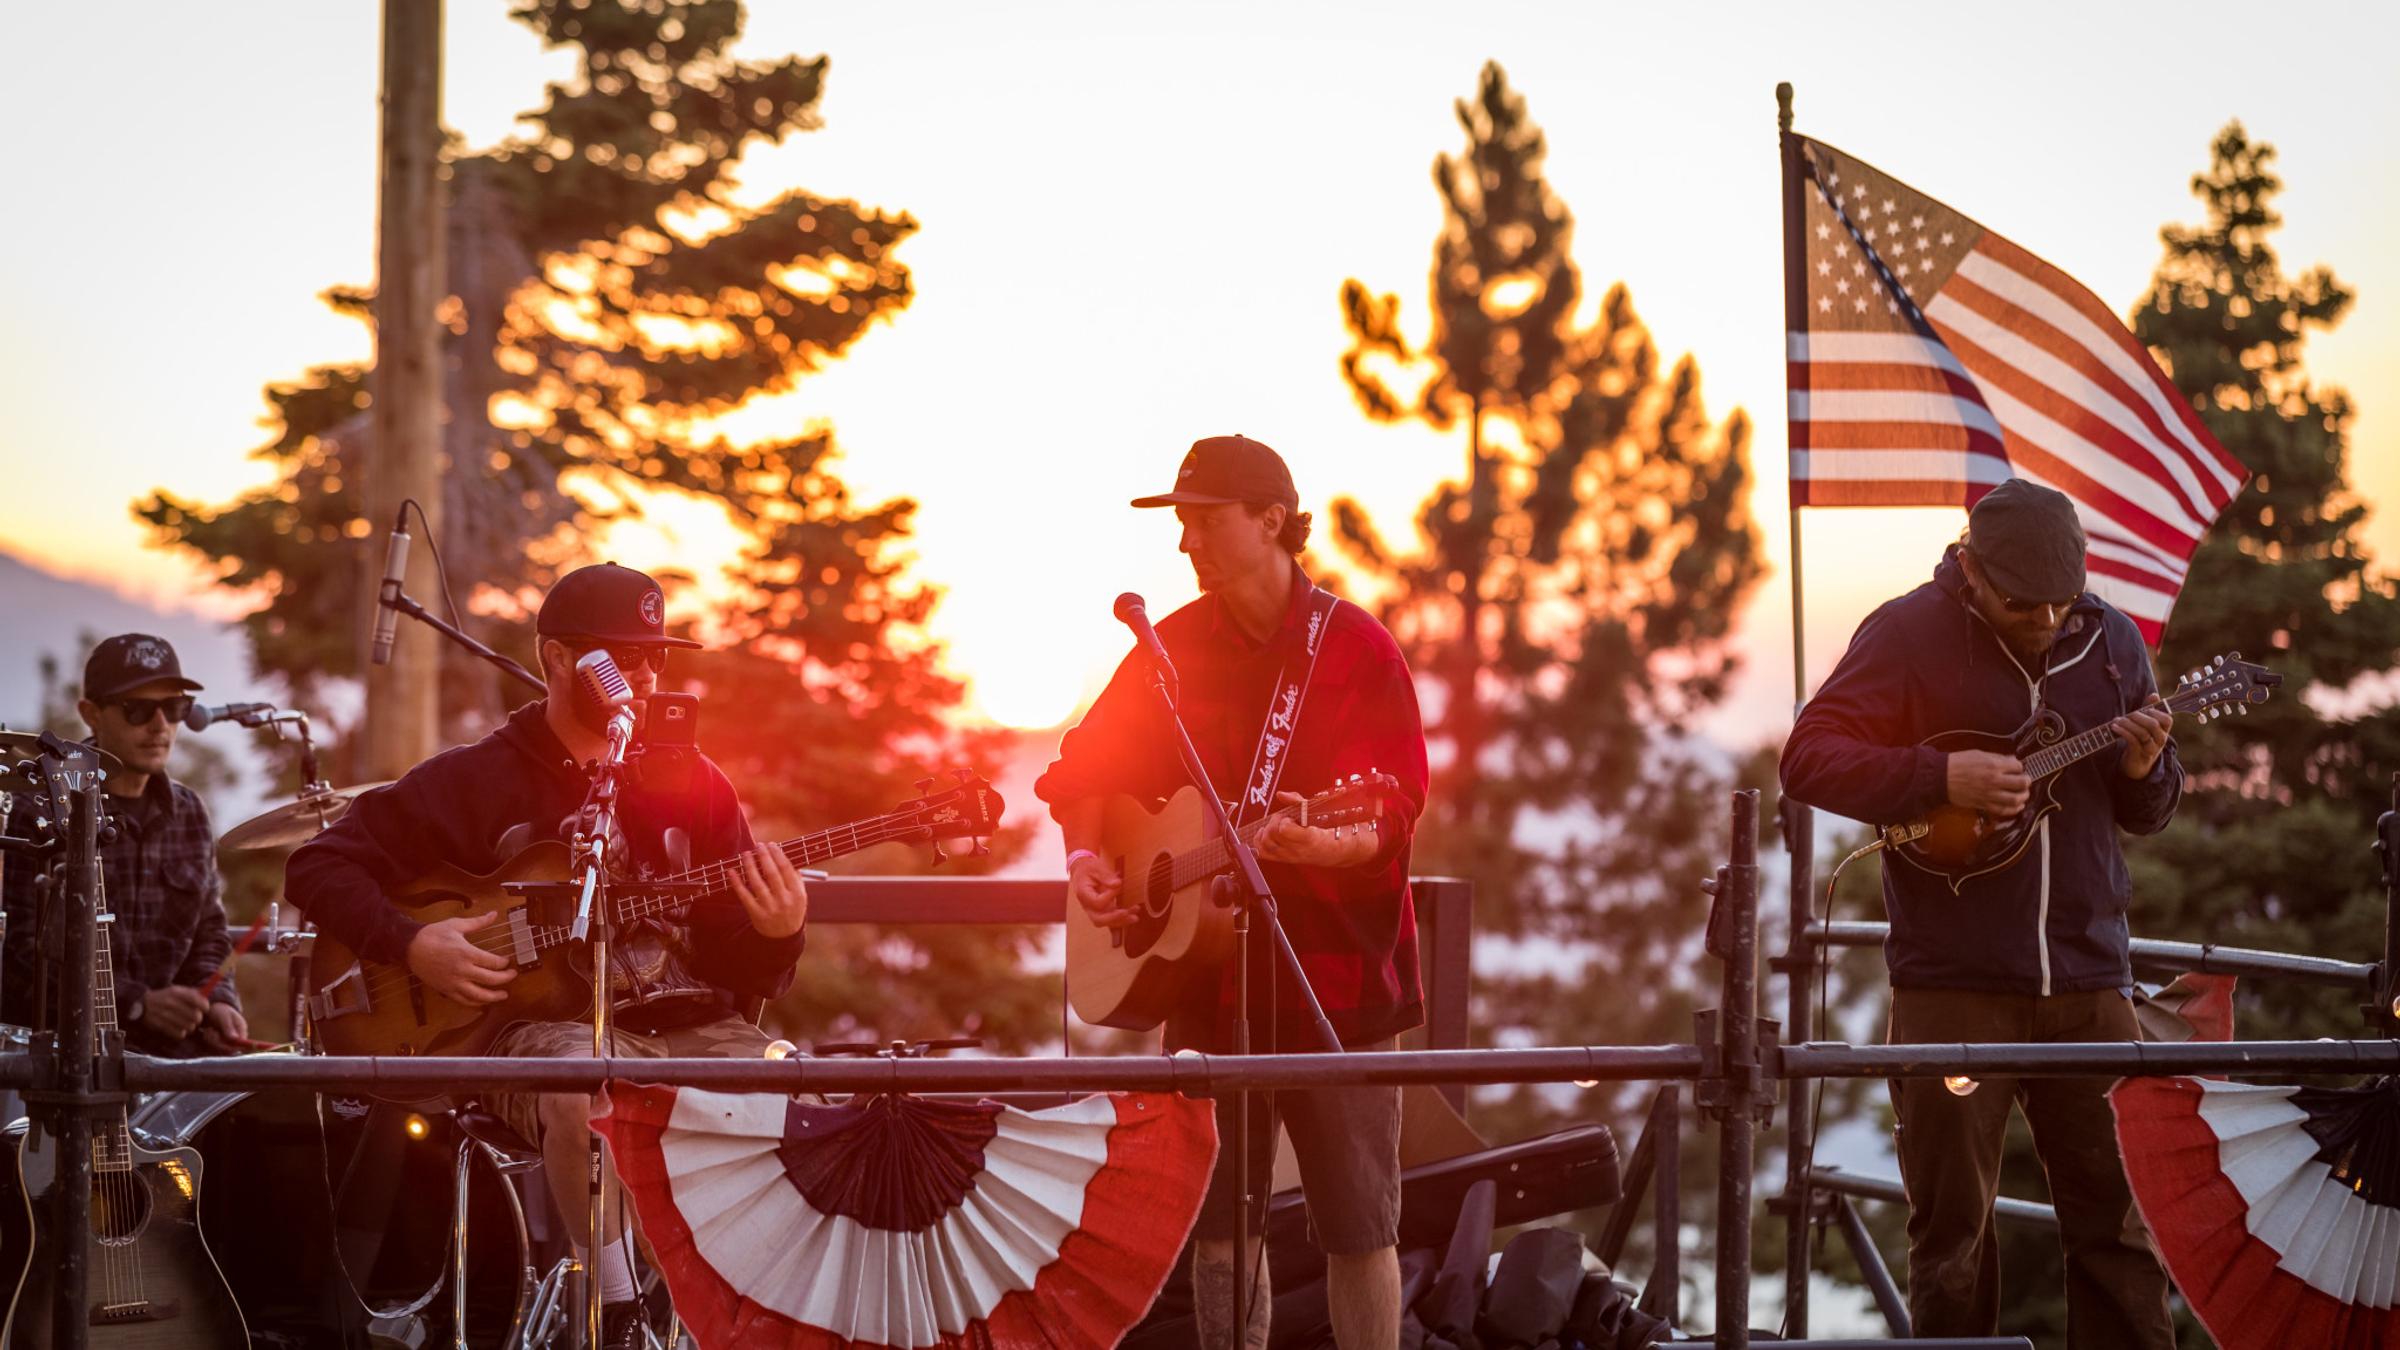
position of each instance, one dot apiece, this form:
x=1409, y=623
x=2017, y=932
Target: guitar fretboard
x=2084, y=744
x=112, y=1145
x=805, y=851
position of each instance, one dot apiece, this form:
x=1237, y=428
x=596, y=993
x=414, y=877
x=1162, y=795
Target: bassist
x=2034, y=950
x=1343, y=897
x=681, y=980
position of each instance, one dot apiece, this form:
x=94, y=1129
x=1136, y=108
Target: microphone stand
x=594, y=923
x=1260, y=900
x=401, y=603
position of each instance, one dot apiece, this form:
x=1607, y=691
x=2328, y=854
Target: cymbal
x=18, y=746
x=295, y=822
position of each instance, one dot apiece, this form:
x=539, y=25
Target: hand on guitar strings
x=771, y=892
x=224, y=1030
x=1286, y=840
x=447, y=958
x=1097, y=887
x=2145, y=731
x=1995, y=785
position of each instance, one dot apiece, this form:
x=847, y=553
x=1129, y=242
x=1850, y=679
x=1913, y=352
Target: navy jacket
x=2053, y=922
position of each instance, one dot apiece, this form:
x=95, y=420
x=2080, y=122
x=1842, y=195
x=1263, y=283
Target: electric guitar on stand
x=1959, y=844
x=1131, y=977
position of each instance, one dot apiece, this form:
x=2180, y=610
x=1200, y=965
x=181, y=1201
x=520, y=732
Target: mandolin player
x=2032, y=950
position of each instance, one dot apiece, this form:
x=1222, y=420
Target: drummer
x=160, y=871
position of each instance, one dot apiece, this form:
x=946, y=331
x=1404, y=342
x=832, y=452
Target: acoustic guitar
x=149, y=1276
x=362, y=1007
x=1133, y=976
x=1958, y=843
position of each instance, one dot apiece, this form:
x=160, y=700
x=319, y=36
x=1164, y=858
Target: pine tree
x=2270, y=847
x=610, y=300
x=1568, y=600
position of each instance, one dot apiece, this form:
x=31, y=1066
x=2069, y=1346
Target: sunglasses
x=631, y=659
x=2015, y=606
x=139, y=711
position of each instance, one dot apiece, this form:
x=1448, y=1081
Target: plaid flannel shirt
x=160, y=872
x=1355, y=929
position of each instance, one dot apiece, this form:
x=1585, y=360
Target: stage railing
x=1734, y=1062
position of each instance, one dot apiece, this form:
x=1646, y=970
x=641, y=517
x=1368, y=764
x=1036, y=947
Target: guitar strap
x=1282, y=722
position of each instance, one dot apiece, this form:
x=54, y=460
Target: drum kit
x=314, y=1205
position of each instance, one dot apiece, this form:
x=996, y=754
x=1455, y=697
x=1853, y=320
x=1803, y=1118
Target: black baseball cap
x=607, y=605
x=2029, y=542
x=1222, y=469
x=129, y=661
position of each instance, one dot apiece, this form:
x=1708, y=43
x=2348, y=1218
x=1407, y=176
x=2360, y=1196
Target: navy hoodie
x=466, y=807
x=2052, y=922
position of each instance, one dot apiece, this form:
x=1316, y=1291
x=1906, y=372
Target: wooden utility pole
x=403, y=698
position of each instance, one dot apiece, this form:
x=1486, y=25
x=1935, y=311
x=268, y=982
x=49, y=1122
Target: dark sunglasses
x=139, y=711
x=631, y=659
x=2015, y=606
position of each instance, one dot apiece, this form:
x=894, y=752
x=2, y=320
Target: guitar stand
x=1251, y=896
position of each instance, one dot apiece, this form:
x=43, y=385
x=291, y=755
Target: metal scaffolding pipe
x=1839, y=1182
x=2155, y=956
x=2128, y=1058
x=1193, y=1074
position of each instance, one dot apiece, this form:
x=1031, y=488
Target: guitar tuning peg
x=925, y=785
x=2242, y=709
x=2220, y=662
x=981, y=850
x=939, y=857
x=963, y=775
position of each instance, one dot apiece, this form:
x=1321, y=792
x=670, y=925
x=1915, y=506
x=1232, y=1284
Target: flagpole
x=1800, y=955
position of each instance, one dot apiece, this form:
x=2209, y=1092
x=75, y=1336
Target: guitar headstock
x=969, y=809
x=2225, y=685
x=1356, y=798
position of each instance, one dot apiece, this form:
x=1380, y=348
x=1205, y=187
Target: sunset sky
x=1135, y=222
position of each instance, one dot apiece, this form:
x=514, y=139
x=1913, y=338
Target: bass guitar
x=1132, y=976
x=149, y=1276
x=362, y=1007
x=1958, y=843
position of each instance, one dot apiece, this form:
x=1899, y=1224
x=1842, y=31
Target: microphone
x=387, y=600
x=200, y=718
x=604, y=695
x=1131, y=613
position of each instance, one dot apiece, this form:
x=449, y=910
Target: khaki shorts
x=1346, y=1141
x=720, y=1038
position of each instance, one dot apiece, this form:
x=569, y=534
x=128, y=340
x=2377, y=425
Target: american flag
x=1930, y=360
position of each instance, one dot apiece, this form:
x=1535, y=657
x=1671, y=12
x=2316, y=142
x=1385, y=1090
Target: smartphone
x=671, y=721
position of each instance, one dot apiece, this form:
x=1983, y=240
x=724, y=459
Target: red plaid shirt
x=1355, y=929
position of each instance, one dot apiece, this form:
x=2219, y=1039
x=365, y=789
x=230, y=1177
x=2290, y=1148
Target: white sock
x=616, y=1275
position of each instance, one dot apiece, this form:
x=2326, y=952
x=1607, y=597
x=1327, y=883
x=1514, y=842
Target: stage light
x=1587, y=1082
x=780, y=1050
x=1960, y=1085
x=415, y=1126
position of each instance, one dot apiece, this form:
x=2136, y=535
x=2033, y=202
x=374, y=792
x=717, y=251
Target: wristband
x=1079, y=853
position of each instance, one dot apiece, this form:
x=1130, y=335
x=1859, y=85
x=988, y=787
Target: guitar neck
x=112, y=1144
x=2051, y=759
x=805, y=851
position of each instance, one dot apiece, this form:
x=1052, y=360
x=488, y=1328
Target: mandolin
x=1133, y=976
x=1959, y=844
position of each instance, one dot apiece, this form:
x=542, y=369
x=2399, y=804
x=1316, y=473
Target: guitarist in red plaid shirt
x=1343, y=896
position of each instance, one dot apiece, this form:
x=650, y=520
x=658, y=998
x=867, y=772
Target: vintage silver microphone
x=387, y=598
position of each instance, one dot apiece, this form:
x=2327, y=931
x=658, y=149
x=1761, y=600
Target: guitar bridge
x=133, y=1311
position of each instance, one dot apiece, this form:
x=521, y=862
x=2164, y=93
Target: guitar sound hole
x=120, y=1207
x=1159, y=892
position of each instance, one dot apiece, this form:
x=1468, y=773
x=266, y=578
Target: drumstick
x=248, y=937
